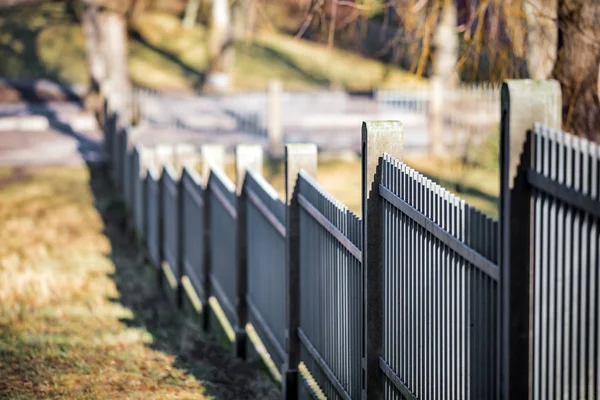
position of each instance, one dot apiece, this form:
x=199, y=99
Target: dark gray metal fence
x=139, y=190
x=117, y=157
x=565, y=332
x=331, y=305
x=439, y=287
x=170, y=218
x=266, y=288
x=223, y=225
x=128, y=170
x=152, y=216
x=440, y=284
x=193, y=203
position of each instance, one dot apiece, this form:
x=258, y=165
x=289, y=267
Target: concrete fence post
x=523, y=102
x=186, y=155
x=274, y=122
x=247, y=157
x=163, y=156
x=378, y=137
x=436, y=117
x=297, y=157
x=211, y=155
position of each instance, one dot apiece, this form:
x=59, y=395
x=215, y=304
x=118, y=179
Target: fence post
x=274, y=123
x=436, y=117
x=297, y=157
x=378, y=137
x=211, y=154
x=247, y=157
x=523, y=102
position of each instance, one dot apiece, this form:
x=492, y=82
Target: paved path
x=47, y=134
x=329, y=119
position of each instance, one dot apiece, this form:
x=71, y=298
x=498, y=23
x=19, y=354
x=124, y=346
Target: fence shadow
x=173, y=331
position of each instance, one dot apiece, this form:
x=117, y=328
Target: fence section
x=564, y=354
x=193, y=205
x=223, y=228
x=139, y=188
x=440, y=330
x=153, y=216
x=440, y=283
x=170, y=212
x=331, y=300
x=266, y=291
x=129, y=170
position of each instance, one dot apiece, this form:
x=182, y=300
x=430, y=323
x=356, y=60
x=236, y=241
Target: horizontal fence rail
x=223, y=225
x=564, y=175
x=440, y=286
x=265, y=297
x=330, y=291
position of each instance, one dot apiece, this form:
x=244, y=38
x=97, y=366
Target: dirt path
x=80, y=317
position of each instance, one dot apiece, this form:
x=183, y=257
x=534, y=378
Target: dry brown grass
x=81, y=318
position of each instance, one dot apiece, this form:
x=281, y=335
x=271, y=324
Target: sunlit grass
x=42, y=40
x=80, y=317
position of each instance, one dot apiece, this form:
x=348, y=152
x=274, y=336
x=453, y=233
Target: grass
x=81, y=316
x=342, y=178
x=43, y=40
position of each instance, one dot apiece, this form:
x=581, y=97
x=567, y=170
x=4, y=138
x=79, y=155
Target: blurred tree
x=191, y=13
x=577, y=65
x=220, y=47
x=104, y=27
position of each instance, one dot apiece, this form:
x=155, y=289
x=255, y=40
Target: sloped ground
x=81, y=316
x=44, y=40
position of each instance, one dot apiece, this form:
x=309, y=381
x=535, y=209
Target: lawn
x=43, y=40
x=81, y=316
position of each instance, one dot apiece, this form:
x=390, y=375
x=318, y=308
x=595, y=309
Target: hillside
x=45, y=41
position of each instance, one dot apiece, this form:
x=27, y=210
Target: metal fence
x=138, y=181
x=265, y=249
x=565, y=182
x=331, y=313
x=169, y=211
x=435, y=322
x=440, y=287
x=153, y=216
x=223, y=225
x=193, y=205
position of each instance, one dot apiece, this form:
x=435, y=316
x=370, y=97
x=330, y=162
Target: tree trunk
x=577, y=66
x=116, y=87
x=542, y=36
x=191, y=13
x=445, y=46
x=221, y=51
x=93, y=46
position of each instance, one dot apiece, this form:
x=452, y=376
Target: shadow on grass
x=197, y=77
x=270, y=55
x=21, y=54
x=173, y=331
